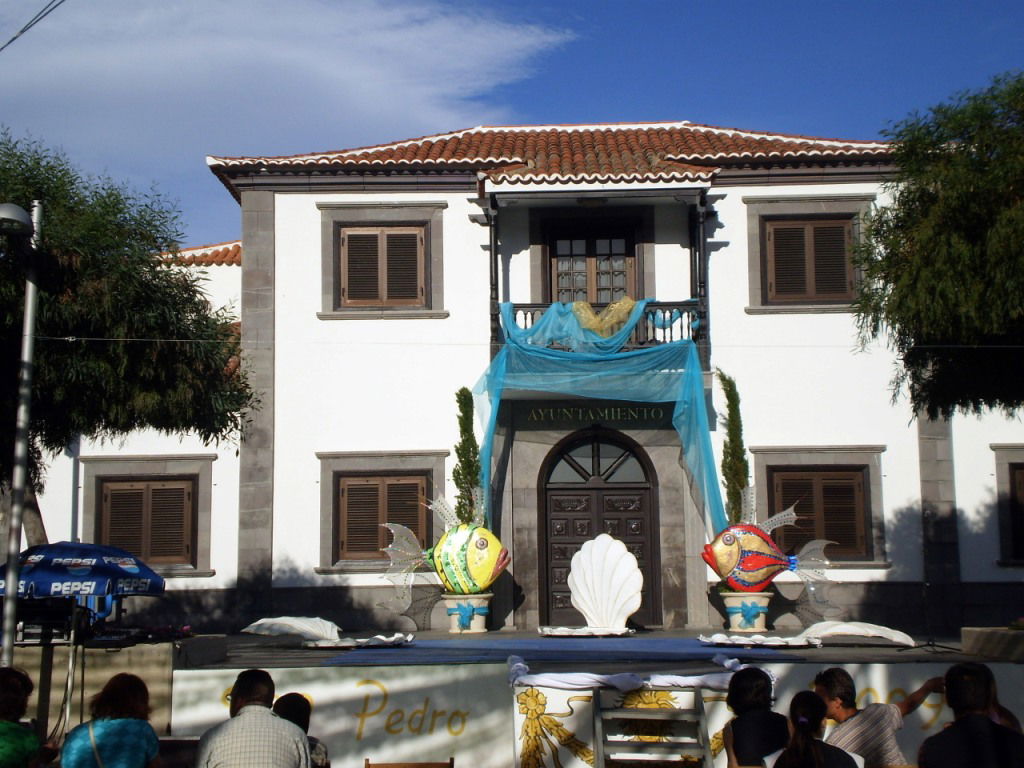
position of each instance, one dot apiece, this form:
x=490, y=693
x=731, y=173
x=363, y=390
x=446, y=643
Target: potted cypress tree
x=745, y=611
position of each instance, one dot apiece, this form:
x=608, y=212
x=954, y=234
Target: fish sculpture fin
x=405, y=554
x=445, y=511
x=817, y=603
x=749, y=514
x=479, y=505
x=786, y=517
x=812, y=555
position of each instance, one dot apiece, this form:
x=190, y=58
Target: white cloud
x=143, y=90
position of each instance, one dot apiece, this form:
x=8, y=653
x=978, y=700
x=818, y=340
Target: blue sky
x=142, y=91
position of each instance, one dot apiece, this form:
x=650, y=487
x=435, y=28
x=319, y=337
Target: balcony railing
x=662, y=322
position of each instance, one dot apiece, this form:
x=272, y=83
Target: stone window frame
x=867, y=456
x=1006, y=454
x=334, y=217
x=761, y=209
x=97, y=469
x=335, y=463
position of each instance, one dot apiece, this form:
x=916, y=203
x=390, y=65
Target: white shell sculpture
x=605, y=583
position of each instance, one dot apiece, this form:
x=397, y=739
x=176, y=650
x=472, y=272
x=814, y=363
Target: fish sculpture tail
x=406, y=555
x=810, y=565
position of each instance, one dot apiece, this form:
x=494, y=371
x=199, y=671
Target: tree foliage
x=735, y=467
x=943, y=264
x=124, y=341
x=466, y=474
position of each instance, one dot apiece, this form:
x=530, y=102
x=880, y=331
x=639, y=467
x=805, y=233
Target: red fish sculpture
x=747, y=558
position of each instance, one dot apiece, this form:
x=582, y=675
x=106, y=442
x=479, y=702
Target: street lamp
x=14, y=221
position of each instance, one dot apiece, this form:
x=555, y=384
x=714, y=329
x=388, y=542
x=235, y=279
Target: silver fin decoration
x=812, y=555
x=749, y=514
x=785, y=517
x=405, y=554
x=445, y=511
x=479, y=505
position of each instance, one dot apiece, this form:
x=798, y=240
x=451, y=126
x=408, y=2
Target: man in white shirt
x=254, y=736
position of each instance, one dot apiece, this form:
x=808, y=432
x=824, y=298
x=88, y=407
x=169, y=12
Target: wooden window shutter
x=366, y=503
x=829, y=505
x=809, y=260
x=153, y=519
x=170, y=521
x=124, y=509
x=1017, y=511
x=383, y=266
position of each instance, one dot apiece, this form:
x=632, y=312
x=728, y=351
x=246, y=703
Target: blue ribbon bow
x=466, y=612
x=747, y=611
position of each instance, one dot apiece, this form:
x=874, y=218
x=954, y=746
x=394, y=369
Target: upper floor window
x=809, y=261
x=153, y=517
x=599, y=270
x=830, y=505
x=382, y=260
x=382, y=267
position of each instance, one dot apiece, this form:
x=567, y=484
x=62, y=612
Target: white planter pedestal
x=467, y=613
x=746, y=611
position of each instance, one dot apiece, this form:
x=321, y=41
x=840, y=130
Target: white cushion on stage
x=307, y=628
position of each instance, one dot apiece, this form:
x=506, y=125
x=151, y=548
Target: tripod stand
x=929, y=644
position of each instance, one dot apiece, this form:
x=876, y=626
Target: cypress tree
x=735, y=468
x=466, y=474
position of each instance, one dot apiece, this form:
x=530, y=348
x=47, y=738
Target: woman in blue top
x=119, y=734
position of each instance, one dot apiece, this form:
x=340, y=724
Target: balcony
x=662, y=322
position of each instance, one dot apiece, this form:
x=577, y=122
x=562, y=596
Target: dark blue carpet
x=492, y=648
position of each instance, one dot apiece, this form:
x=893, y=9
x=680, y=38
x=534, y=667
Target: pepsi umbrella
x=73, y=569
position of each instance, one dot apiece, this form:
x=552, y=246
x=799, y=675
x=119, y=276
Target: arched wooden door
x=596, y=482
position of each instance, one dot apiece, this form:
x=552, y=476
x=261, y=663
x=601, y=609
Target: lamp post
x=14, y=221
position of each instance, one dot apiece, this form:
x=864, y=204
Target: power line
x=47, y=9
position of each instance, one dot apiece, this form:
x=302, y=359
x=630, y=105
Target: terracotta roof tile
x=219, y=254
x=679, y=151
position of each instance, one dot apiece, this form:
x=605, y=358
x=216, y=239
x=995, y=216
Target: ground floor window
x=829, y=505
x=837, y=490
x=156, y=507
x=361, y=490
x=365, y=504
x=1010, y=502
x=153, y=518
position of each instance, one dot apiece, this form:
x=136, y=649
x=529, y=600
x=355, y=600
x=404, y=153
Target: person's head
x=295, y=708
x=970, y=687
x=807, y=714
x=836, y=689
x=750, y=688
x=253, y=686
x=124, y=695
x=15, y=688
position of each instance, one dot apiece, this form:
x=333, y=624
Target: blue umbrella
x=73, y=569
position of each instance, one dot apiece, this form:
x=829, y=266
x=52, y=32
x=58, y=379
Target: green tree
x=735, y=467
x=124, y=340
x=466, y=474
x=943, y=263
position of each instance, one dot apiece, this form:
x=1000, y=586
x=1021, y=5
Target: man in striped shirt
x=869, y=732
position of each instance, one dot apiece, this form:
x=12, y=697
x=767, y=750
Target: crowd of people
x=260, y=730
x=983, y=733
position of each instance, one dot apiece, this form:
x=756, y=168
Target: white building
x=369, y=287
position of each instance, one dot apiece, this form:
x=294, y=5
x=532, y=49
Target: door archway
x=596, y=481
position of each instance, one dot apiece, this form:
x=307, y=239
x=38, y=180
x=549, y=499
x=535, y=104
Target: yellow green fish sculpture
x=467, y=557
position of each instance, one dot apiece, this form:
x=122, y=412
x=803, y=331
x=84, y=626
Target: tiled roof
x=220, y=254
x=679, y=151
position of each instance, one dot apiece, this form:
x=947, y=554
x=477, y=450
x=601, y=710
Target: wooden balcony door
x=599, y=268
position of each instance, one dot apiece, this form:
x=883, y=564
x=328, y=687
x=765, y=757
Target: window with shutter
x=366, y=503
x=809, y=261
x=830, y=504
x=153, y=518
x=382, y=267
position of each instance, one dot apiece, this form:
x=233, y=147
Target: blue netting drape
x=593, y=366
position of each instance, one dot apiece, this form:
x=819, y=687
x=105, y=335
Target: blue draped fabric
x=598, y=369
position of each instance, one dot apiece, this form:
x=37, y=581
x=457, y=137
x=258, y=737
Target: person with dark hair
x=973, y=739
x=755, y=731
x=19, y=745
x=805, y=748
x=119, y=734
x=254, y=735
x=869, y=732
x=296, y=708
